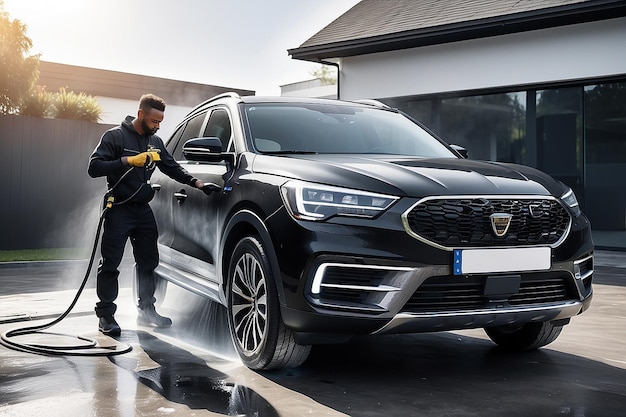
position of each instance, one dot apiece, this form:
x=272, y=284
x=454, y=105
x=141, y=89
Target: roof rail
x=228, y=94
x=372, y=103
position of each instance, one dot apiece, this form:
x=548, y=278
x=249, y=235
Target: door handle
x=180, y=196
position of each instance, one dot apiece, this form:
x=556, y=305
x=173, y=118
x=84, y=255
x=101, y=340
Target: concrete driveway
x=191, y=370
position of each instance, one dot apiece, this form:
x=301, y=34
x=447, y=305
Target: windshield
x=328, y=128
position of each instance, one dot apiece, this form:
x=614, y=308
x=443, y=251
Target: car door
x=161, y=203
x=195, y=214
x=164, y=201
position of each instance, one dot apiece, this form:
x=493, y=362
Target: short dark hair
x=150, y=101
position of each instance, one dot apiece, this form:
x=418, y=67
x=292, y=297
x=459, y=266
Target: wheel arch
x=243, y=223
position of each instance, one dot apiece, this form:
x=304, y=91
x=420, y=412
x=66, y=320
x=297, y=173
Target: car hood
x=410, y=176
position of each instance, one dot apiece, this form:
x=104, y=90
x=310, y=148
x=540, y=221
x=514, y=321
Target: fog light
x=583, y=268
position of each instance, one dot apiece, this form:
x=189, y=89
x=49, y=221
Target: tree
x=324, y=75
x=18, y=71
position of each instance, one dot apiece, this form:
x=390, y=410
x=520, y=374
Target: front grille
x=540, y=291
x=462, y=293
x=447, y=293
x=465, y=222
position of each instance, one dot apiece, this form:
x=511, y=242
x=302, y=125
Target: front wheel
x=524, y=337
x=258, y=332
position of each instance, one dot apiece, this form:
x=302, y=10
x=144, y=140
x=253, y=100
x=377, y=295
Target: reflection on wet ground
x=184, y=378
x=168, y=371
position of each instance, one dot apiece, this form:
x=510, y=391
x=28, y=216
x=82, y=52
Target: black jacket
x=124, y=140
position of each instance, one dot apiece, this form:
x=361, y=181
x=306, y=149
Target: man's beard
x=147, y=130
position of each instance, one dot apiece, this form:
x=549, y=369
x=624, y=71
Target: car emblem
x=500, y=223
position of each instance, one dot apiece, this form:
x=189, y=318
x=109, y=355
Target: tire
x=256, y=327
x=524, y=337
x=160, y=289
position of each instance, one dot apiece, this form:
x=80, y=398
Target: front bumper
x=354, y=298
x=458, y=320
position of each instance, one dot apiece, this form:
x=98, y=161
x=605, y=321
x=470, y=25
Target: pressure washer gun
x=145, y=159
x=154, y=153
x=153, y=156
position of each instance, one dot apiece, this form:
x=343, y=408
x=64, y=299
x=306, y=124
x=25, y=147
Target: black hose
x=90, y=348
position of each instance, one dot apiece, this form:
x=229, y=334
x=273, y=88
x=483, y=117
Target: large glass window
x=559, y=136
x=605, y=138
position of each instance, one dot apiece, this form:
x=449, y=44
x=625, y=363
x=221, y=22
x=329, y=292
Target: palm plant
x=76, y=106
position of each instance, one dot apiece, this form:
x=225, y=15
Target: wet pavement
x=191, y=369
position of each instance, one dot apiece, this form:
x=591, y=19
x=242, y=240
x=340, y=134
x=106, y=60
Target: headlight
x=569, y=198
x=308, y=201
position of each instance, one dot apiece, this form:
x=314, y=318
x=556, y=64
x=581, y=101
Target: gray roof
x=384, y=25
x=122, y=85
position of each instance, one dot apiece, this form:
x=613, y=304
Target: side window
x=219, y=126
x=171, y=144
x=191, y=131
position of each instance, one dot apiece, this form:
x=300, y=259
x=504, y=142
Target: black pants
x=121, y=223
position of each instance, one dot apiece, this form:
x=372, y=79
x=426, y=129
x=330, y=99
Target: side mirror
x=203, y=149
x=460, y=150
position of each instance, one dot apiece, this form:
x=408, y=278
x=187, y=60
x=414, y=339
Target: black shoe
x=149, y=317
x=109, y=326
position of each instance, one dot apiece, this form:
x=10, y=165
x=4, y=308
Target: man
x=127, y=156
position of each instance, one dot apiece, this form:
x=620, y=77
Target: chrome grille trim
x=366, y=289
x=583, y=268
x=470, y=214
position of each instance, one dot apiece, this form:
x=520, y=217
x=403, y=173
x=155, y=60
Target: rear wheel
x=259, y=334
x=524, y=337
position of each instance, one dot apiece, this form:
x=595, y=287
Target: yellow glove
x=154, y=155
x=143, y=159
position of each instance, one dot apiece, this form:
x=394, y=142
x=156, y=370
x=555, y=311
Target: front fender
x=245, y=223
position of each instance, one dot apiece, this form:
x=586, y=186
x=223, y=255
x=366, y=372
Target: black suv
x=329, y=219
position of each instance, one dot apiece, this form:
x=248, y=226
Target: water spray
x=90, y=347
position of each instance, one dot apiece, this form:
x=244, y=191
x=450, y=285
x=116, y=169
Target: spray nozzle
x=154, y=156
x=154, y=153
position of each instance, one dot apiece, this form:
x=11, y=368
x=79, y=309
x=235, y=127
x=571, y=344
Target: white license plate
x=485, y=261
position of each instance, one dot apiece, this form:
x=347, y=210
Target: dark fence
x=48, y=199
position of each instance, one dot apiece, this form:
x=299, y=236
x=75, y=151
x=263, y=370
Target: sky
x=230, y=43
